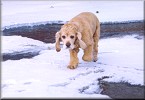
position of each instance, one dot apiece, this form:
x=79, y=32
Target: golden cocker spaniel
x=82, y=31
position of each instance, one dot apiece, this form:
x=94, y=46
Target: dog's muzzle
x=68, y=45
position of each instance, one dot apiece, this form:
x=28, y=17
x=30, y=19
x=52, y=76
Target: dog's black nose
x=68, y=44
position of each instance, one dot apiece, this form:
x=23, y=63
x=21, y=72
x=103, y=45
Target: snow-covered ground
x=10, y=45
x=47, y=75
x=18, y=12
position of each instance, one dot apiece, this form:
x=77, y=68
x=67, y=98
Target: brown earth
x=46, y=32
x=123, y=90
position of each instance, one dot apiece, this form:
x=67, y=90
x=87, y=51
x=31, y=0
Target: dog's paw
x=87, y=58
x=58, y=49
x=95, y=59
x=72, y=66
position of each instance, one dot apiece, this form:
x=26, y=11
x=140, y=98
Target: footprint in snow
x=27, y=83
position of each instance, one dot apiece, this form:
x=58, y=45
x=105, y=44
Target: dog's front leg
x=73, y=58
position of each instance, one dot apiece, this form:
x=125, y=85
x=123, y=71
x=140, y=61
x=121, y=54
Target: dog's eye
x=71, y=37
x=63, y=37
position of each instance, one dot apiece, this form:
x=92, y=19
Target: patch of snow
x=11, y=44
x=47, y=75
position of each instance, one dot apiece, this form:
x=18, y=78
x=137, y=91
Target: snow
x=47, y=75
x=23, y=44
x=18, y=12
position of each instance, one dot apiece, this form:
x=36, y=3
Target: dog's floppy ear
x=82, y=44
x=57, y=43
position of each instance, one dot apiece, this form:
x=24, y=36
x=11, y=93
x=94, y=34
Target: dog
x=82, y=31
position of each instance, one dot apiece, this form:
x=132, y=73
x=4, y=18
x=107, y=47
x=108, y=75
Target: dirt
x=19, y=55
x=46, y=33
x=123, y=90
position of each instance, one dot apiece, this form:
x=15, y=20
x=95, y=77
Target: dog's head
x=69, y=34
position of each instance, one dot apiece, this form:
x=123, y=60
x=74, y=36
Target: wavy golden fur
x=82, y=31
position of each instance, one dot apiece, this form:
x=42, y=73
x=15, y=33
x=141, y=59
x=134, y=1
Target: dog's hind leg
x=88, y=53
x=96, y=40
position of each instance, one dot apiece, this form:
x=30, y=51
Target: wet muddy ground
x=46, y=32
x=123, y=90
